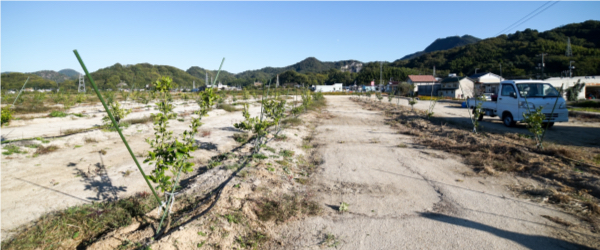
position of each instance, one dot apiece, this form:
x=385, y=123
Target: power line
x=536, y=14
x=507, y=28
x=521, y=21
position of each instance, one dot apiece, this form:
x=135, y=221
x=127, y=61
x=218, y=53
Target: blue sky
x=250, y=35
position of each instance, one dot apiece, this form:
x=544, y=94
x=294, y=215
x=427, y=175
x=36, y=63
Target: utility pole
x=380, y=75
x=571, y=69
x=500, y=69
x=542, y=65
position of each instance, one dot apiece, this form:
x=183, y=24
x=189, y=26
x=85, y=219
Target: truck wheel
x=548, y=124
x=508, y=120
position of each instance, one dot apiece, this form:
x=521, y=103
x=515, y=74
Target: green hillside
x=444, y=44
x=14, y=81
x=52, y=75
x=518, y=53
x=139, y=75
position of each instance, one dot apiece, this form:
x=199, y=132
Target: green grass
x=213, y=164
x=586, y=109
x=42, y=140
x=270, y=149
x=585, y=104
x=259, y=156
x=83, y=224
x=78, y=114
x=57, y=114
x=12, y=149
x=240, y=137
x=286, y=153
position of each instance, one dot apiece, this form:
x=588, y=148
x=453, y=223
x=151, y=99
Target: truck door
x=508, y=102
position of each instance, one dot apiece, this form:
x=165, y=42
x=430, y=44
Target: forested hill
x=198, y=72
x=444, y=44
x=70, y=73
x=140, y=74
x=518, y=53
x=52, y=75
x=15, y=80
x=308, y=65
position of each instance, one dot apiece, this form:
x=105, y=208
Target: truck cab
x=516, y=97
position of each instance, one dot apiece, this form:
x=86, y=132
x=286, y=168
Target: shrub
x=58, y=114
x=241, y=137
x=7, y=115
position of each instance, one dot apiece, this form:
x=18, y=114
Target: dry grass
x=286, y=207
x=46, y=150
x=570, y=168
x=90, y=140
x=73, y=131
x=205, y=133
x=79, y=226
x=141, y=120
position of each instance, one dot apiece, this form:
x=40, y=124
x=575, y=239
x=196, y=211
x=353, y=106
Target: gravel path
x=403, y=196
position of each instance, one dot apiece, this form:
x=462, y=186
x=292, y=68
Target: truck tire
x=508, y=120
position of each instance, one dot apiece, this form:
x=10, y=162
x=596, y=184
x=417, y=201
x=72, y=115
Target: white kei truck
x=510, y=103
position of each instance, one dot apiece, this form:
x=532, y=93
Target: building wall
x=592, y=83
x=426, y=90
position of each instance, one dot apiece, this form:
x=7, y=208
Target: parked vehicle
x=510, y=104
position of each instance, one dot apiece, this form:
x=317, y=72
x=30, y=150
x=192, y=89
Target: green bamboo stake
x=115, y=124
x=13, y=105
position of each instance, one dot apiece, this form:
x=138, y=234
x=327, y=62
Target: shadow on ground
x=528, y=241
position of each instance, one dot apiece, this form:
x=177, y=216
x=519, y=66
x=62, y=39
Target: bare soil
x=402, y=195
x=402, y=192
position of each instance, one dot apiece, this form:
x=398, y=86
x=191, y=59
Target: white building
x=328, y=88
x=487, y=82
x=592, y=84
x=418, y=80
x=453, y=87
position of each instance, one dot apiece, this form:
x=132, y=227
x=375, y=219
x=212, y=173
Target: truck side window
x=507, y=89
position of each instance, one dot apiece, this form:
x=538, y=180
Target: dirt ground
x=400, y=195
x=78, y=173
x=575, y=132
x=403, y=196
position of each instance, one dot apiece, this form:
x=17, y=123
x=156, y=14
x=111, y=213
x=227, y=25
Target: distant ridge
x=444, y=44
x=70, y=73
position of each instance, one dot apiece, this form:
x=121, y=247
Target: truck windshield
x=531, y=90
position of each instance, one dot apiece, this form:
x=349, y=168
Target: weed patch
x=285, y=208
x=241, y=137
x=46, y=150
x=57, y=114
x=12, y=149
x=294, y=121
x=80, y=226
